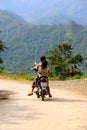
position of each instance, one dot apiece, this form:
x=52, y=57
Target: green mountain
x=26, y=43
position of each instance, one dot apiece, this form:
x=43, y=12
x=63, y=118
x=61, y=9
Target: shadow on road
x=5, y=94
x=56, y=99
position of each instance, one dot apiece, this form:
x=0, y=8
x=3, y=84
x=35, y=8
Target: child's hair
x=44, y=64
x=42, y=58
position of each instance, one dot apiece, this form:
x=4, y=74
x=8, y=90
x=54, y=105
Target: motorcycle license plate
x=43, y=84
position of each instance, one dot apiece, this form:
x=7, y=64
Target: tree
x=1, y=49
x=61, y=58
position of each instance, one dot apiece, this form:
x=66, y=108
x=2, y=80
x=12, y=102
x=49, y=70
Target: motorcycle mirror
x=35, y=63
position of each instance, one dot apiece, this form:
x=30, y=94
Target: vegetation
x=26, y=43
x=1, y=49
x=61, y=59
x=28, y=77
x=21, y=76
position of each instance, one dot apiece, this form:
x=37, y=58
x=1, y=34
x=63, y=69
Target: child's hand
x=32, y=68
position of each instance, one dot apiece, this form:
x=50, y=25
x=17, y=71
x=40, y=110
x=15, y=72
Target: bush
x=1, y=70
x=77, y=76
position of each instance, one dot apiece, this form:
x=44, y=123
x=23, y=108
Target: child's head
x=42, y=58
x=44, y=61
x=71, y=66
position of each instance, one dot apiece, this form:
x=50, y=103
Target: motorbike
x=41, y=89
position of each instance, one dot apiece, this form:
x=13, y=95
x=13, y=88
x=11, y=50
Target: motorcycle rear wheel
x=42, y=95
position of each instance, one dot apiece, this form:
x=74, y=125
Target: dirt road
x=66, y=110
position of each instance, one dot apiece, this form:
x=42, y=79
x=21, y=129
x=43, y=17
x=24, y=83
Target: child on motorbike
x=42, y=70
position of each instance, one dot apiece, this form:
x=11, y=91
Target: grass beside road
x=21, y=76
x=28, y=77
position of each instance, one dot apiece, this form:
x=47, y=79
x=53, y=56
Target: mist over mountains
x=48, y=12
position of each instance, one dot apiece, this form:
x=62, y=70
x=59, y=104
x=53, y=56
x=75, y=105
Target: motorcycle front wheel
x=37, y=93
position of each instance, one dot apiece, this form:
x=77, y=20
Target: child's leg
x=48, y=89
x=33, y=86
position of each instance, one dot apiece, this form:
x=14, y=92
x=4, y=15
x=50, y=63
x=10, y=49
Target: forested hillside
x=26, y=43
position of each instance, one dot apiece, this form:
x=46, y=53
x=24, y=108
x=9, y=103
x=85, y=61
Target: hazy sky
x=25, y=7
x=29, y=9
x=20, y=7
x=28, y=4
